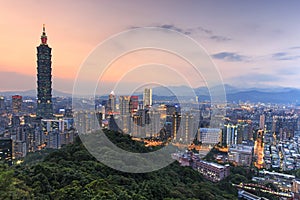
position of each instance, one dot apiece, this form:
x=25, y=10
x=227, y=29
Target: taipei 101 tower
x=44, y=79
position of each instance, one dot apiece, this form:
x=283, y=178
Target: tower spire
x=44, y=79
x=44, y=36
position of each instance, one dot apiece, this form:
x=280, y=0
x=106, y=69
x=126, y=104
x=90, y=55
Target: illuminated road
x=261, y=188
x=259, y=150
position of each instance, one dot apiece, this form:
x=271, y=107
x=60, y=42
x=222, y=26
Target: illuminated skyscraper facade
x=124, y=104
x=16, y=104
x=133, y=104
x=147, y=97
x=124, y=122
x=44, y=79
x=6, y=150
x=111, y=103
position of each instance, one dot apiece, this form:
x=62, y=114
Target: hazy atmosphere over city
x=158, y=100
x=252, y=43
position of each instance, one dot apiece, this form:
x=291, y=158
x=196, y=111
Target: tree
x=11, y=187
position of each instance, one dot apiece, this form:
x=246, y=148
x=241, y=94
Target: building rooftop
x=214, y=164
x=241, y=148
x=277, y=174
x=248, y=195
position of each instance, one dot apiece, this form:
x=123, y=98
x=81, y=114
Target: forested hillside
x=72, y=173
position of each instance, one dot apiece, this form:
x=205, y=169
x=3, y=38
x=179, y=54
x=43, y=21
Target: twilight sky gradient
x=253, y=43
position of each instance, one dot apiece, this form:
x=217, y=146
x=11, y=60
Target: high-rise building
x=56, y=133
x=209, y=136
x=141, y=119
x=154, y=126
x=111, y=103
x=44, y=79
x=262, y=119
x=173, y=118
x=86, y=121
x=187, y=130
x=285, y=126
x=229, y=135
x=133, y=104
x=15, y=121
x=2, y=103
x=16, y=104
x=6, y=150
x=124, y=102
x=124, y=122
x=243, y=132
x=147, y=97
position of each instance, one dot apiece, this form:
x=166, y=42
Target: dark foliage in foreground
x=72, y=173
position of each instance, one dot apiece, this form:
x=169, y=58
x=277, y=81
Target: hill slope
x=72, y=173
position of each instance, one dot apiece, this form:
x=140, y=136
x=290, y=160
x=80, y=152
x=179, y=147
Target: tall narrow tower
x=147, y=97
x=44, y=79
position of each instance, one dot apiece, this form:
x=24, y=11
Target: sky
x=251, y=43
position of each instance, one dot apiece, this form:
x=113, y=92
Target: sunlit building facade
x=147, y=97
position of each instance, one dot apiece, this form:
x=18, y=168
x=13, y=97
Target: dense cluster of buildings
x=281, y=154
x=285, y=183
x=28, y=124
x=240, y=155
x=143, y=118
x=261, y=135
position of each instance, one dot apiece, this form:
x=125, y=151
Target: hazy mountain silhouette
x=32, y=93
x=233, y=94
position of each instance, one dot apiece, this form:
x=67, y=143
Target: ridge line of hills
x=283, y=95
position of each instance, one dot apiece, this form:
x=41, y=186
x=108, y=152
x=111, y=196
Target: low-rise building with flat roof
x=213, y=171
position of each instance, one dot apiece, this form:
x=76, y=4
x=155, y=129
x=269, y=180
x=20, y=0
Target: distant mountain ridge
x=286, y=97
x=233, y=94
x=32, y=93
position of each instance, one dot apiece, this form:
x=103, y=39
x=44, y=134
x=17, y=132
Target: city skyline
x=252, y=44
x=202, y=96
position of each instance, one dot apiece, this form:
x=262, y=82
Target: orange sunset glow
x=75, y=28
